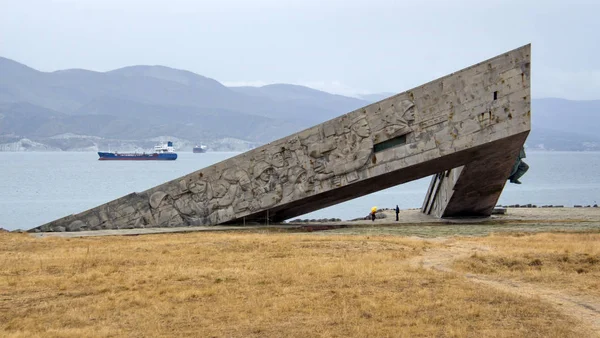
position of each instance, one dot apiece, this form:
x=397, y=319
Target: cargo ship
x=162, y=152
x=200, y=149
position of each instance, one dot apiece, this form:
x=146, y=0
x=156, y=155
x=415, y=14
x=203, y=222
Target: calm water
x=39, y=187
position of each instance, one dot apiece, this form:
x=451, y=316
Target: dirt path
x=583, y=308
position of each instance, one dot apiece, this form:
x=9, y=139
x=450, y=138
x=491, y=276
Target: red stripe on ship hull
x=135, y=159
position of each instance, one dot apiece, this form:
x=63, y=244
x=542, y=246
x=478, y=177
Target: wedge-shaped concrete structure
x=466, y=128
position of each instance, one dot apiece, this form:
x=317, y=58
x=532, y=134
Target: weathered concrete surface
x=467, y=118
x=473, y=189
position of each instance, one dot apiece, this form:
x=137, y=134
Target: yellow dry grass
x=561, y=260
x=250, y=285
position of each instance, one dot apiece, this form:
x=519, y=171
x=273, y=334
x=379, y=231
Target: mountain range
x=134, y=107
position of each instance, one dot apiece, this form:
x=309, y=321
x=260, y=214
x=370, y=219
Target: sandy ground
x=513, y=215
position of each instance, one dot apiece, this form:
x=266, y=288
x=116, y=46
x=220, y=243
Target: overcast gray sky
x=342, y=46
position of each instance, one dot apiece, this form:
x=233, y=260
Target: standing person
x=397, y=212
x=373, y=211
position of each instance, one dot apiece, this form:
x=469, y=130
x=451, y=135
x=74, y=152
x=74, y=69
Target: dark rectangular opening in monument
x=495, y=95
x=396, y=141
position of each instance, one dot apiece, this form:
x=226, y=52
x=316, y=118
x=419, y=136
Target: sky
x=348, y=47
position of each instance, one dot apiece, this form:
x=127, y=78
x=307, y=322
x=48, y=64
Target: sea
x=38, y=187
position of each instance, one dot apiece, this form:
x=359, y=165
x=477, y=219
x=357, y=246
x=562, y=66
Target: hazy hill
x=559, y=124
x=581, y=117
x=139, y=103
x=68, y=90
x=376, y=97
x=302, y=99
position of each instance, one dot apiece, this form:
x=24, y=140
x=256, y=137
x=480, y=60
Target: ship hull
x=136, y=157
x=199, y=150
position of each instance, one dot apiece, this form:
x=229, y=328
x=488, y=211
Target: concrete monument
x=466, y=128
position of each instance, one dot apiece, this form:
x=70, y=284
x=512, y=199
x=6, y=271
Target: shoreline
x=519, y=219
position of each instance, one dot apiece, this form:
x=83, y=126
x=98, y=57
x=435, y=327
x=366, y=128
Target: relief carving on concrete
x=267, y=189
x=297, y=170
x=299, y=185
x=346, y=149
x=240, y=190
x=163, y=210
x=191, y=201
x=324, y=157
x=397, y=118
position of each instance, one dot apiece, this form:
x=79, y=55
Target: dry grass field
x=282, y=284
x=564, y=261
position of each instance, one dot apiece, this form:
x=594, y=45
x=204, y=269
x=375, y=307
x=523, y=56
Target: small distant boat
x=200, y=149
x=162, y=152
